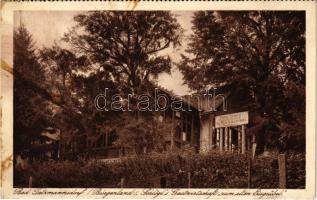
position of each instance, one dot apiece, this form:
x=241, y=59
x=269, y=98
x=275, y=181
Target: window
x=186, y=126
x=112, y=137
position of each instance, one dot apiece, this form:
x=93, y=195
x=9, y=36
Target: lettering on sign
x=234, y=119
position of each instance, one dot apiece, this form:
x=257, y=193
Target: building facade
x=219, y=125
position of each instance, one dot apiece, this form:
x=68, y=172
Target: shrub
x=214, y=170
x=265, y=173
x=296, y=171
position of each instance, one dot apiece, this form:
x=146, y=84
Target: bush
x=265, y=173
x=296, y=171
x=207, y=171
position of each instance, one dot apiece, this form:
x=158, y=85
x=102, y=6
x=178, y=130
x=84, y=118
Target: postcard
x=158, y=99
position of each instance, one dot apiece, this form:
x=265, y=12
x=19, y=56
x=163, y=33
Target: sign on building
x=234, y=119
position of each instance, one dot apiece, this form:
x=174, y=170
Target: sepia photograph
x=159, y=99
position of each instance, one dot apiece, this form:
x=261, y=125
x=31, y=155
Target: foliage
x=31, y=112
x=262, y=52
x=126, y=44
x=265, y=173
x=296, y=171
x=77, y=83
x=115, y=50
x=143, y=134
x=207, y=171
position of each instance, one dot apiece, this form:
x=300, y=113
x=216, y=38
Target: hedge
x=207, y=171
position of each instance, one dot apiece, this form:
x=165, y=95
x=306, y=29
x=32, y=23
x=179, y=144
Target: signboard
x=234, y=119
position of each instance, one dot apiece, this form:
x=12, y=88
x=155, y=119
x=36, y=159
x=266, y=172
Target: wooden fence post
x=30, y=181
x=189, y=180
x=282, y=171
x=122, y=182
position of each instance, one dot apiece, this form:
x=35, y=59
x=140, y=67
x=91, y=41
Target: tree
x=31, y=112
x=75, y=84
x=127, y=47
x=126, y=44
x=260, y=51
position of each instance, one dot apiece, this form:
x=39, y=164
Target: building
x=44, y=146
x=220, y=123
x=226, y=122
x=181, y=131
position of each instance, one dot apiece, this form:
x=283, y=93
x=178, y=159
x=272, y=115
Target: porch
x=225, y=133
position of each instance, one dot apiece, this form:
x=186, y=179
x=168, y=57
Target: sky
x=48, y=27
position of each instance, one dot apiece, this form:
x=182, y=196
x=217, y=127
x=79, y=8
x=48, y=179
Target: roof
x=192, y=99
x=173, y=95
